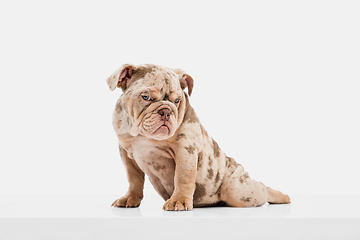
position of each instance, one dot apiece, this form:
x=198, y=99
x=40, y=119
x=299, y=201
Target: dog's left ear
x=120, y=77
x=186, y=80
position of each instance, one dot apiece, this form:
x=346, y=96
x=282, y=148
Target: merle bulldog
x=160, y=135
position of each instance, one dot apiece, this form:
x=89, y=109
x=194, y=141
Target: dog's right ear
x=120, y=77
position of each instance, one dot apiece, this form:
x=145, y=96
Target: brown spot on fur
x=141, y=71
x=210, y=161
x=218, y=192
x=200, y=160
x=244, y=176
x=244, y=199
x=216, y=148
x=217, y=177
x=230, y=162
x=157, y=166
x=138, y=73
x=190, y=149
x=210, y=173
x=200, y=192
x=180, y=136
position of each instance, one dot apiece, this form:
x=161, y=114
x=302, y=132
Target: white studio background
x=277, y=85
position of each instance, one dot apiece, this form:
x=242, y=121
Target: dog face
x=153, y=98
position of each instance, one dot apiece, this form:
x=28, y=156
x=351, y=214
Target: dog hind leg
x=239, y=190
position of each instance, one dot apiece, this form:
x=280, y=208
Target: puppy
x=161, y=136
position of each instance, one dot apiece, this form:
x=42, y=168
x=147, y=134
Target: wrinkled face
x=155, y=103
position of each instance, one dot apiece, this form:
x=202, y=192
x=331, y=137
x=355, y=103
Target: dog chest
x=154, y=160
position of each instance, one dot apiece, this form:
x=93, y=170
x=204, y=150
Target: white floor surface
x=91, y=217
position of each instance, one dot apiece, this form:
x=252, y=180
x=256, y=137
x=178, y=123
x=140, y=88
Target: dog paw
x=127, y=201
x=178, y=204
x=287, y=199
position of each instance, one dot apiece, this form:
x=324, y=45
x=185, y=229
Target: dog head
x=153, y=98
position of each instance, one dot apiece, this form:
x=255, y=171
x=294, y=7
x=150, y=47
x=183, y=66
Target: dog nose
x=165, y=114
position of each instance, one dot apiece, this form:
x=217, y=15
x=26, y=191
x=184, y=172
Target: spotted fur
x=184, y=164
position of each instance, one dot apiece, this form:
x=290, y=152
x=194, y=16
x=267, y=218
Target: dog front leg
x=136, y=179
x=184, y=180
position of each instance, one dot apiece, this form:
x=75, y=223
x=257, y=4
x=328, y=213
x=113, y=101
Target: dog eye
x=146, y=97
x=177, y=101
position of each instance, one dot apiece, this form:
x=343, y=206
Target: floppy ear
x=120, y=77
x=186, y=80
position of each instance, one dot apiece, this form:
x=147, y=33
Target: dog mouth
x=162, y=130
